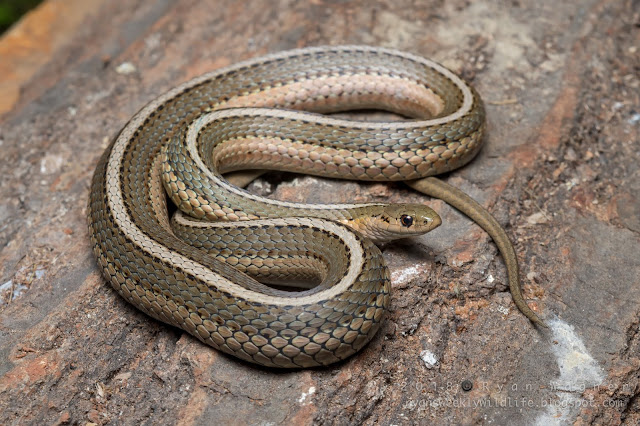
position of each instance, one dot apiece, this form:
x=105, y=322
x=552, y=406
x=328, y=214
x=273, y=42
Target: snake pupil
x=406, y=220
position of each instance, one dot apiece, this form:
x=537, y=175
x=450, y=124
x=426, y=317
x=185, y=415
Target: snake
x=275, y=283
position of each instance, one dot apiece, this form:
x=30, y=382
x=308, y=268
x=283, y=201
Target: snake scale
x=207, y=269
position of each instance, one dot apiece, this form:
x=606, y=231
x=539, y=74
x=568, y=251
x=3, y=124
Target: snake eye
x=406, y=220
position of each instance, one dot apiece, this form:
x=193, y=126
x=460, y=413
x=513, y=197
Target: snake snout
x=431, y=220
x=419, y=219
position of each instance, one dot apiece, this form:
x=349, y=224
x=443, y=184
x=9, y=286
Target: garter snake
x=250, y=115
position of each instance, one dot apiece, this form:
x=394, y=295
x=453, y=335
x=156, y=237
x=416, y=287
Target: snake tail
x=451, y=195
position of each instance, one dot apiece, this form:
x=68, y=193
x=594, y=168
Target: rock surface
x=560, y=170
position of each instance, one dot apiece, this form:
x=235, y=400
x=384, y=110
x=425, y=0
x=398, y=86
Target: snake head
x=389, y=222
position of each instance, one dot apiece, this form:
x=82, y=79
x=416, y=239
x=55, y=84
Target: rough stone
x=560, y=169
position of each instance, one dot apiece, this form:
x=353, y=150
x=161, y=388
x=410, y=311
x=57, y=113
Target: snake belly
x=159, y=273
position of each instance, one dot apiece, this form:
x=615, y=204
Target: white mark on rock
x=261, y=186
x=504, y=310
x=40, y=273
x=51, y=163
x=126, y=68
x=537, y=218
x=11, y=291
x=153, y=41
x=405, y=274
x=306, y=394
x=578, y=371
x=6, y=285
x=429, y=358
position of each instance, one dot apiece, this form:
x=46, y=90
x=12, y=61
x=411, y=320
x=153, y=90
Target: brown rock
x=561, y=94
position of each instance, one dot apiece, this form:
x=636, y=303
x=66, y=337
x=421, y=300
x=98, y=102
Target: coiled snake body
x=225, y=121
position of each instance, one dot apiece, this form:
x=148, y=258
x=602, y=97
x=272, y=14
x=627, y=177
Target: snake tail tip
x=538, y=322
